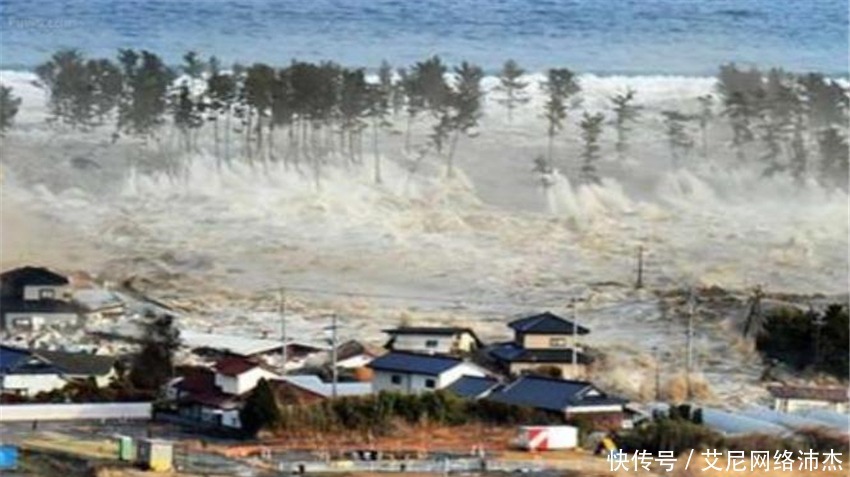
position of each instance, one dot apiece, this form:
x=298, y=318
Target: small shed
x=8, y=457
x=126, y=448
x=156, y=455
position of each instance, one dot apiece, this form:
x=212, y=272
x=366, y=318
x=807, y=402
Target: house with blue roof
x=569, y=397
x=27, y=372
x=545, y=340
x=414, y=373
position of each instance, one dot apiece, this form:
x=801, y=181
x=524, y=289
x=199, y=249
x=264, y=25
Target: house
x=238, y=376
x=34, y=297
x=474, y=387
x=218, y=345
x=433, y=340
x=100, y=303
x=543, y=341
x=354, y=354
x=796, y=398
x=414, y=373
x=29, y=372
x=309, y=389
x=573, y=399
x=215, y=396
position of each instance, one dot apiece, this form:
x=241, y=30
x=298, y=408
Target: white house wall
x=32, y=384
x=33, y=292
x=408, y=342
x=35, y=321
x=416, y=383
x=242, y=383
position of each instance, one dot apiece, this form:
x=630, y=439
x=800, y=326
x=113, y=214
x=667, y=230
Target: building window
x=431, y=343
x=46, y=293
x=557, y=342
x=395, y=379
x=430, y=383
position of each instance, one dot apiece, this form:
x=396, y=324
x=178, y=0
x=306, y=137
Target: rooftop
x=22, y=276
x=552, y=394
x=547, y=323
x=813, y=393
x=429, y=330
x=473, y=386
x=315, y=385
x=414, y=363
x=234, y=366
x=78, y=364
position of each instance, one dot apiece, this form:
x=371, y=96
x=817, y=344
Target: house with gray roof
x=414, y=373
x=35, y=297
x=474, y=387
x=569, y=397
x=449, y=340
x=28, y=372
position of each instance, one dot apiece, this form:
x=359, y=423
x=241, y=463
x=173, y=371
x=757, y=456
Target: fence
x=75, y=412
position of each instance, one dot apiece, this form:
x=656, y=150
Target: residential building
x=433, y=340
x=27, y=372
x=215, y=396
x=414, y=373
x=798, y=398
x=571, y=398
x=238, y=376
x=543, y=341
x=34, y=297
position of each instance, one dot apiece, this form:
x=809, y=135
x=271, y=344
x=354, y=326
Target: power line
x=430, y=299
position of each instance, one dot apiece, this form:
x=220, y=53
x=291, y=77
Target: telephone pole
x=657, y=354
x=334, y=373
x=639, y=282
x=690, y=338
x=281, y=310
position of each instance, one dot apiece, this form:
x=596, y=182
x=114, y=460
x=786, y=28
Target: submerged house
x=447, y=340
x=799, y=398
x=34, y=297
x=543, y=341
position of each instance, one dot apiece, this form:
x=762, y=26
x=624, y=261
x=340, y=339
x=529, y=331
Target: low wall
x=75, y=412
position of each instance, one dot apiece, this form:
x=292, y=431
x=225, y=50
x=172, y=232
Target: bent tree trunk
x=376, y=152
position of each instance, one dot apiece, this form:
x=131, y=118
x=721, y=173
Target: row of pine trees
x=306, y=113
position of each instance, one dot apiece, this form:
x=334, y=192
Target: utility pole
x=334, y=373
x=657, y=354
x=573, y=305
x=690, y=338
x=639, y=283
x=281, y=310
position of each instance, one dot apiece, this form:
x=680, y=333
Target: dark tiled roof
x=546, y=323
x=429, y=330
x=20, y=277
x=552, y=394
x=473, y=386
x=44, y=305
x=78, y=364
x=414, y=363
x=513, y=353
x=234, y=366
x=815, y=393
x=21, y=361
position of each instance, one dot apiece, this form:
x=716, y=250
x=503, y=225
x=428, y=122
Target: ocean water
x=634, y=37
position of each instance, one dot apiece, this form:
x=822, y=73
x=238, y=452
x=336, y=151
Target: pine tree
x=834, y=158
x=625, y=113
x=591, y=128
x=9, y=106
x=466, y=104
x=186, y=114
x=144, y=100
x=221, y=89
x=513, y=87
x=799, y=162
x=193, y=65
x=706, y=114
x=154, y=365
x=742, y=94
x=559, y=86
x=261, y=410
x=259, y=87
x=678, y=137
x=380, y=99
